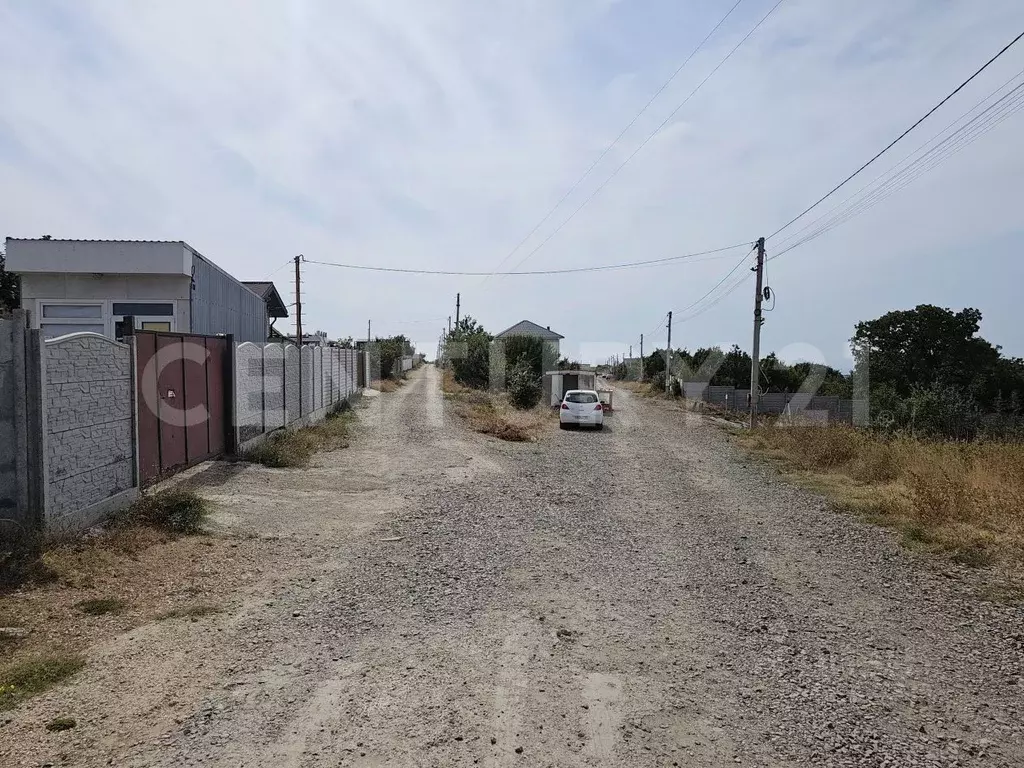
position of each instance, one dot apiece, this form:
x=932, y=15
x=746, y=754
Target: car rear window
x=581, y=397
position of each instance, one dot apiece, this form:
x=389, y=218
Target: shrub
x=178, y=510
x=675, y=388
x=524, y=386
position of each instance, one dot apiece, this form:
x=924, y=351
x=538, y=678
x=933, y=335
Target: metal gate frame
x=203, y=378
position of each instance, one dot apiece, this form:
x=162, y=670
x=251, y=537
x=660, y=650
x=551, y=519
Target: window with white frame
x=61, y=318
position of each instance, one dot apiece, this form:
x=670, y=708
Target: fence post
x=231, y=437
x=37, y=453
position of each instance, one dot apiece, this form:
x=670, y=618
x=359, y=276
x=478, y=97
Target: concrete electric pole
x=755, y=356
x=668, y=354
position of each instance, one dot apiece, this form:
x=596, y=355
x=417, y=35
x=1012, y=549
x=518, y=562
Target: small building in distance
x=527, y=328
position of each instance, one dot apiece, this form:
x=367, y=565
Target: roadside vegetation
x=515, y=414
x=291, y=448
x=27, y=678
x=965, y=499
x=70, y=592
x=492, y=413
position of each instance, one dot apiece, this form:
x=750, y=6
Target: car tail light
x=599, y=407
x=565, y=406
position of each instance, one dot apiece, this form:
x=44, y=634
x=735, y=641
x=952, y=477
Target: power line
x=906, y=172
x=893, y=143
x=644, y=143
x=291, y=260
x=718, y=299
x=716, y=286
x=618, y=138
x=601, y=268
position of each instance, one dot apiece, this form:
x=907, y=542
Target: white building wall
x=99, y=256
x=36, y=288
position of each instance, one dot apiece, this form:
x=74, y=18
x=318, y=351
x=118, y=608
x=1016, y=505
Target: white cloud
x=437, y=134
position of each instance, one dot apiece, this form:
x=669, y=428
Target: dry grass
x=964, y=499
x=49, y=626
x=177, y=511
x=491, y=413
x=642, y=388
x=385, y=386
x=295, y=447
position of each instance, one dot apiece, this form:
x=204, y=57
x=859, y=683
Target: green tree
x=528, y=349
x=927, y=346
x=10, y=287
x=468, y=350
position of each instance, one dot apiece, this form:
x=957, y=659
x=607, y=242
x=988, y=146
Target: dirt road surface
x=640, y=596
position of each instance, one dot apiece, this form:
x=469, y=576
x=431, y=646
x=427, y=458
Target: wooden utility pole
x=641, y=357
x=458, y=306
x=755, y=356
x=668, y=354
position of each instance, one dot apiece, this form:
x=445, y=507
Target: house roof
x=526, y=328
x=268, y=292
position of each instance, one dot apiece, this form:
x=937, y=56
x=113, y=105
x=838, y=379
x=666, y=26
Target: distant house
x=316, y=339
x=94, y=285
x=276, y=307
x=526, y=328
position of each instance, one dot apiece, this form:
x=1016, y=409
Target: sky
x=408, y=134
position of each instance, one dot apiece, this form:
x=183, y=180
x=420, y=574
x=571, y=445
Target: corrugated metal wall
x=220, y=304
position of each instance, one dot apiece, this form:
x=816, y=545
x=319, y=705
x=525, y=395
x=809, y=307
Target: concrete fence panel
x=90, y=434
x=291, y=383
x=274, y=384
x=306, y=361
x=249, y=406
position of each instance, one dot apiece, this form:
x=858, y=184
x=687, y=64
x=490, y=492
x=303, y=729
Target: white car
x=581, y=407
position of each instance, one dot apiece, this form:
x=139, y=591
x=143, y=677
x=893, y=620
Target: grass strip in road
x=194, y=612
x=490, y=413
x=34, y=676
x=296, y=447
x=962, y=499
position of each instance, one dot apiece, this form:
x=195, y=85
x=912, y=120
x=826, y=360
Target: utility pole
x=298, y=299
x=458, y=306
x=368, y=331
x=298, y=320
x=668, y=353
x=630, y=351
x=755, y=356
x=449, y=325
x=641, y=357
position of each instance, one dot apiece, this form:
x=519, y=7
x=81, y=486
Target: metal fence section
x=184, y=400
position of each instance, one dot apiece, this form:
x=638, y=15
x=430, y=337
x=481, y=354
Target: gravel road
x=638, y=596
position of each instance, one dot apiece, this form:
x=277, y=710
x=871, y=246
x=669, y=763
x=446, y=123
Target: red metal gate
x=184, y=400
